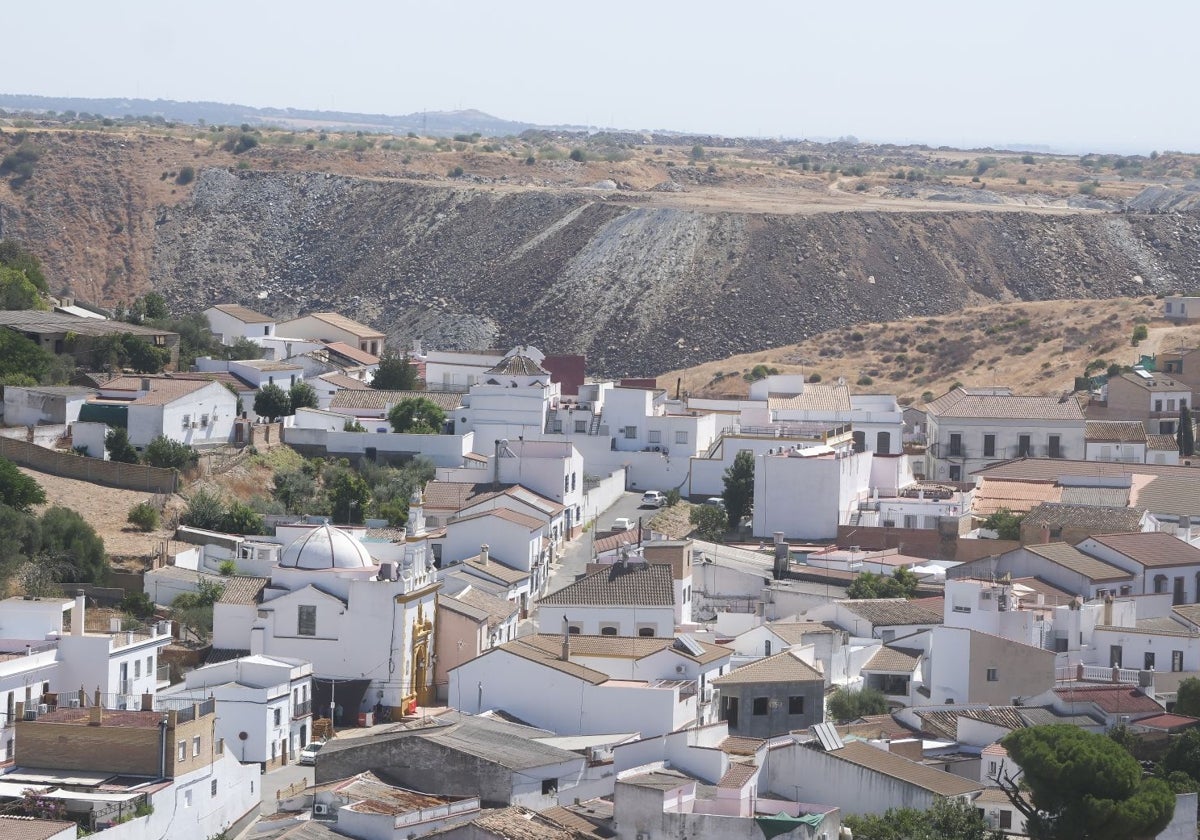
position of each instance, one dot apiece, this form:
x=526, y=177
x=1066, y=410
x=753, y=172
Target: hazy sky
x=1095, y=75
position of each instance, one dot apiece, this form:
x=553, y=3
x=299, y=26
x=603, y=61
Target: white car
x=308, y=753
x=653, y=498
x=715, y=501
x=624, y=523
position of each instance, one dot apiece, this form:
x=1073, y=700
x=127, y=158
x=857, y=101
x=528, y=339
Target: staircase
x=594, y=428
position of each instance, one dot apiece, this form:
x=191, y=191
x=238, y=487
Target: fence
x=95, y=470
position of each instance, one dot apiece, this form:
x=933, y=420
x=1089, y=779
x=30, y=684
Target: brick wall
x=95, y=470
x=72, y=746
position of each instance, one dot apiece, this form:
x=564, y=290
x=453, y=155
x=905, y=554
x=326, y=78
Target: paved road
x=280, y=778
x=577, y=553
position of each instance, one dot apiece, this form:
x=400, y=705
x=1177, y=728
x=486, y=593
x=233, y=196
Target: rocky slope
x=641, y=285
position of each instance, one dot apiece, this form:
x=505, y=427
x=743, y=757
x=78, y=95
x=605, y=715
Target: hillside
x=645, y=257
x=1034, y=348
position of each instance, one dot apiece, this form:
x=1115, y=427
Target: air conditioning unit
x=73, y=703
x=320, y=809
x=43, y=708
x=31, y=714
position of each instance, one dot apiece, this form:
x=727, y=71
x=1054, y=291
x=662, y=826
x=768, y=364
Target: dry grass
x=1035, y=348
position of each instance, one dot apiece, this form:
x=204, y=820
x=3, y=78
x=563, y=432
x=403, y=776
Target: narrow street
x=577, y=553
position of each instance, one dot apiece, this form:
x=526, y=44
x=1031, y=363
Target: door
x=731, y=711
x=1177, y=593
x=124, y=686
x=1024, y=447
x=860, y=441
x=1176, y=660
x=883, y=443
x=956, y=444
x=1114, y=656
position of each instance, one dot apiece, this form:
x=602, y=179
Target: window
x=630, y=432
x=306, y=621
x=213, y=787
x=956, y=447
x=187, y=421
x=195, y=746
x=956, y=473
x=767, y=647
x=1170, y=405
x=646, y=631
x=278, y=716
x=203, y=421
x=574, y=629
x=270, y=380
x=761, y=704
x=989, y=445
x=1149, y=660
x=992, y=675
x=992, y=769
x=1024, y=446
x=549, y=786
x=654, y=436
x=137, y=668
x=267, y=329
x=182, y=751
x=1158, y=405
x=796, y=705
x=187, y=798
x=681, y=437
x=608, y=630
x=1005, y=819
x=1055, y=446
x=883, y=443
x=149, y=665
x=580, y=426
x=1176, y=660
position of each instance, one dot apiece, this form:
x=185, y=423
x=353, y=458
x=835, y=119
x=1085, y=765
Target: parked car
x=308, y=753
x=624, y=523
x=715, y=501
x=652, y=498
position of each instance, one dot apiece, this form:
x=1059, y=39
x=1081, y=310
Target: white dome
x=326, y=548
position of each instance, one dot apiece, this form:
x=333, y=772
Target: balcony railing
x=302, y=709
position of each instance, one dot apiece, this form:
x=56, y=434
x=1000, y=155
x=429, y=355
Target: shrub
x=17, y=490
x=672, y=497
x=118, y=446
x=186, y=175
x=170, y=454
x=456, y=172
x=815, y=377
x=865, y=380
x=1140, y=333
x=227, y=568
x=143, y=516
x=578, y=155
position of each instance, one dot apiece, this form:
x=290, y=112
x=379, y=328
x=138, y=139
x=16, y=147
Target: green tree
x=20, y=357
x=20, y=538
x=395, y=373
x=948, y=819
x=295, y=490
x=352, y=425
x=155, y=306
x=1080, y=785
x=1184, y=753
x=17, y=490
x=1187, y=698
x=1005, y=523
x=12, y=255
x=17, y=291
x=171, y=454
x=847, y=704
x=118, y=446
x=69, y=540
x=272, y=402
x=194, y=610
x=739, y=488
x=143, y=516
x=241, y=349
x=1185, y=436
x=303, y=395
x=417, y=415
x=349, y=496
x=137, y=604
x=710, y=521
x=204, y=510
x=240, y=518
x=578, y=155
x=901, y=584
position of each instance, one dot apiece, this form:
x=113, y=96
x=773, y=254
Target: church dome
x=326, y=547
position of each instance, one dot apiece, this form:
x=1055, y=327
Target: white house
x=1181, y=307
x=969, y=428
x=195, y=412
x=230, y=322
x=29, y=405
x=553, y=469
x=624, y=599
x=807, y=493
x=330, y=326
x=516, y=539
x=1122, y=441
x=267, y=698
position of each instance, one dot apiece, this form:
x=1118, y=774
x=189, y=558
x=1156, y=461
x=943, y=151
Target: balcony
x=302, y=709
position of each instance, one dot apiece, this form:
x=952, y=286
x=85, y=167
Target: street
x=577, y=553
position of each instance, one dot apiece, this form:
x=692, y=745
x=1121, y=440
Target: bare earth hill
x=659, y=268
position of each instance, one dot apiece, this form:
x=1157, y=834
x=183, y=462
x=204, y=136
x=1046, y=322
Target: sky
x=1071, y=75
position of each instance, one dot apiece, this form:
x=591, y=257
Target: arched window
x=573, y=630
x=608, y=630
x=646, y=631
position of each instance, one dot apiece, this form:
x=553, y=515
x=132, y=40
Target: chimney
x=77, y=615
x=484, y=555
x=1108, y=609
x=147, y=702
x=566, y=645
x=1045, y=534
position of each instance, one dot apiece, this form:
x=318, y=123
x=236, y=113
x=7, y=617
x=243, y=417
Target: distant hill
x=427, y=123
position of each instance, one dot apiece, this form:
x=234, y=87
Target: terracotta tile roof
x=1105, y=497
x=533, y=653
x=886, y=612
x=939, y=723
x=246, y=316
x=740, y=745
x=965, y=404
x=455, y=495
x=518, y=365
x=1016, y=496
x=935, y=781
x=370, y=398
x=1109, y=698
x=624, y=647
x=1189, y=613
x=517, y=823
x=793, y=632
x=1153, y=549
x=783, y=667
x=341, y=380
x=887, y=725
x=29, y=828
x=359, y=357
x=497, y=610
x=618, y=539
x=577, y=822
x=1114, y=431
x=341, y=322
x=241, y=589
x=629, y=584
x=1169, y=721
x=1051, y=469
x=1171, y=495
x=894, y=659
x=162, y=389
x=815, y=397
x=1162, y=443
x=1156, y=382
x=507, y=515
x=737, y=776
x=1008, y=717
x=659, y=779
x=1089, y=517
x=495, y=569
x=1071, y=558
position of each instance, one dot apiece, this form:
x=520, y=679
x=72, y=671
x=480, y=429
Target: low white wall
x=602, y=497
x=443, y=450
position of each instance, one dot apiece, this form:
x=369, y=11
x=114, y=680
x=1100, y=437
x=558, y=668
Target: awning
x=782, y=823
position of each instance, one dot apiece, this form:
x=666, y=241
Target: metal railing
x=302, y=709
